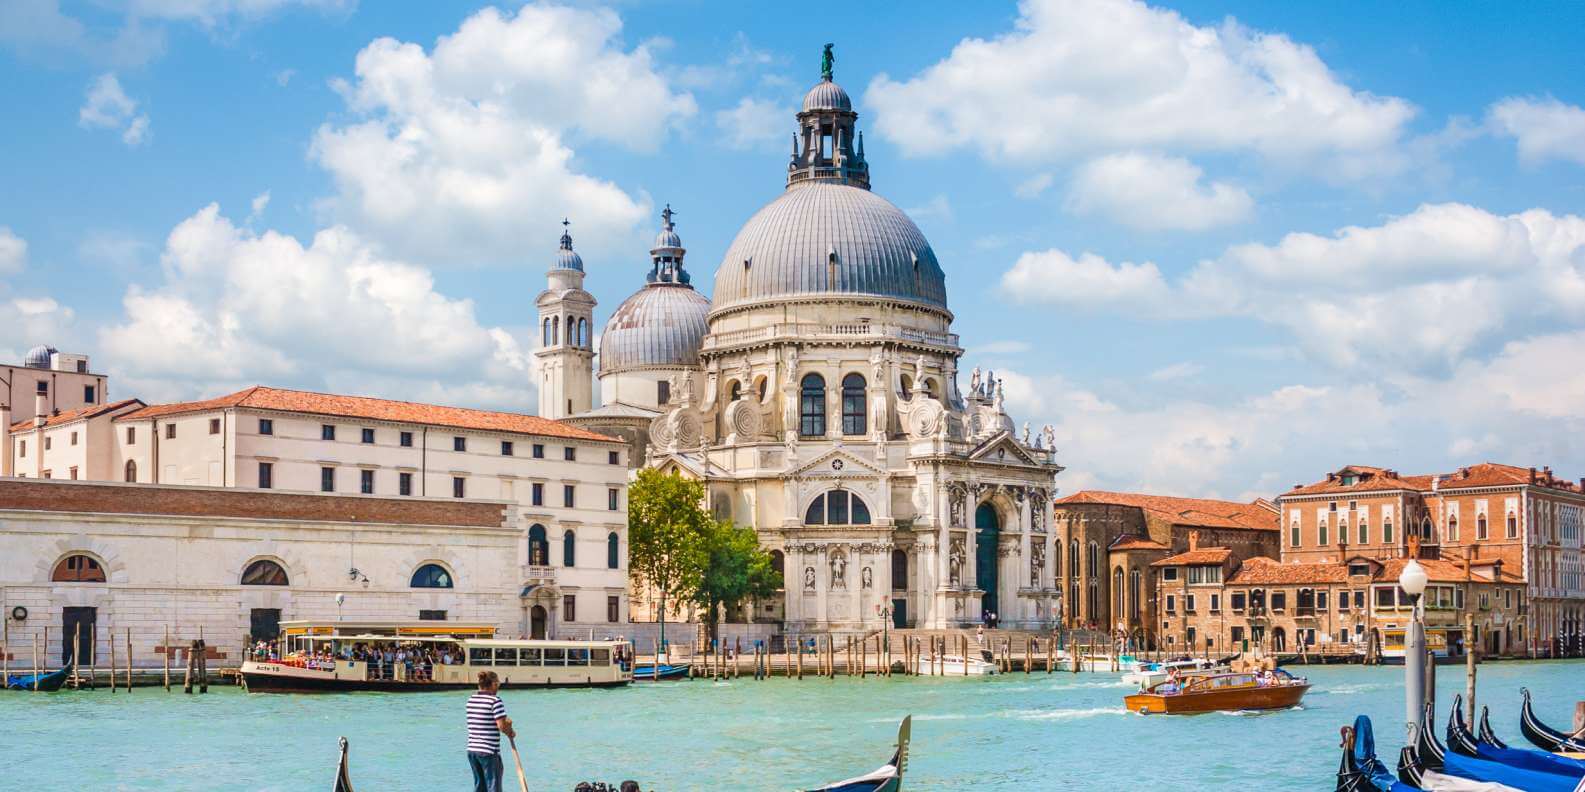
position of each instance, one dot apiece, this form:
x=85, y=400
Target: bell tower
x=566, y=351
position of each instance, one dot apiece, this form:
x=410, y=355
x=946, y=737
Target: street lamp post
x=1413, y=580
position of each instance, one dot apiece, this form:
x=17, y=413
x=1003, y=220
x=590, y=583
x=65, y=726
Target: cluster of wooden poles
x=197, y=671
x=876, y=654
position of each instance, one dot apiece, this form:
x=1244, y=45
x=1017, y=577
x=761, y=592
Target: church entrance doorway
x=989, y=530
x=536, y=622
x=900, y=614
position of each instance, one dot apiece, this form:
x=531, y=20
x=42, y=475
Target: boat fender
x=1144, y=710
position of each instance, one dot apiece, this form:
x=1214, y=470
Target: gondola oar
x=522, y=780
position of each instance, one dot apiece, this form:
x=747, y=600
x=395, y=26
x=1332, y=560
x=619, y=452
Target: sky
x=1223, y=248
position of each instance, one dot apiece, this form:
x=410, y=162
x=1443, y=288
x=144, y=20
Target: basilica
x=816, y=392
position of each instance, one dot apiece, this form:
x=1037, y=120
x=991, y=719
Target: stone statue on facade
x=687, y=390
x=974, y=381
x=1037, y=562
x=1000, y=398
x=1025, y=437
x=809, y=578
x=867, y=578
x=955, y=563
x=878, y=416
x=1048, y=433
x=955, y=501
x=839, y=571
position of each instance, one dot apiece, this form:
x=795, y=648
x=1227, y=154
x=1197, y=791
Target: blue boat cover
x=1379, y=775
x=1519, y=778
x=1540, y=761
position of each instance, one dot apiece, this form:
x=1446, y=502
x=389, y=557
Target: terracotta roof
x=1204, y=555
x=79, y=414
x=1440, y=571
x=1259, y=515
x=259, y=397
x=1485, y=474
x=1135, y=542
x=1265, y=571
x=1368, y=479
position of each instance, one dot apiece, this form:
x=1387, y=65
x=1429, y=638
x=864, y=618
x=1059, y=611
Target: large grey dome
x=39, y=357
x=829, y=238
x=661, y=326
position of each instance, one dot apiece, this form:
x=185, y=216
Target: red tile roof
x=1135, y=542
x=79, y=414
x=1367, y=479
x=263, y=398
x=1265, y=571
x=1204, y=555
x=1259, y=515
x=1375, y=479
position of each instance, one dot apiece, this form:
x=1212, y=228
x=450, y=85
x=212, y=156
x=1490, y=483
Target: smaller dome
x=827, y=95
x=661, y=326
x=39, y=357
x=667, y=239
x=566, y=258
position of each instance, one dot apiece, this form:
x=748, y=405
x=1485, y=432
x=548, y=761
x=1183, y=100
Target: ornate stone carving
x=878, y=416
x=1037, y=510
x=974, y=381
x=743, y=418
x=809, y=578
x=1025, y=436
x=1048, y=435
x=1037, y=562
x=925, y=419
x=955, y=559
x=839, y=570
x=957, y=606
x=660, y=434
x=867, y=578
x=955, y=505
x=685, y=428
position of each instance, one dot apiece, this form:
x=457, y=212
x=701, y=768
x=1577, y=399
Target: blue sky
x=1222, y=247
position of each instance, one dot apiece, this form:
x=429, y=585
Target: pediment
x=1002, y=449
x=838, y=463
x=681, y=464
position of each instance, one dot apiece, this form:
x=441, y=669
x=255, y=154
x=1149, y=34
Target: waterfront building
x=569, y=483
x=48, y=383
x=816, y=393
x=1210, y=601
x=1526, y=518
x=90, y=557
x=1107, y=542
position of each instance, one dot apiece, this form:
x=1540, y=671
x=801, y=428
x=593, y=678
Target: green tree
x=667, y=526
x=736, y=570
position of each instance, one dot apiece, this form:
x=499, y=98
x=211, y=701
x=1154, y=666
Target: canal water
x=1015, y=732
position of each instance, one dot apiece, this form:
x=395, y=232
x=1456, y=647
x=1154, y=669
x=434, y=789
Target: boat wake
x=1066, y=714
x=928, y=717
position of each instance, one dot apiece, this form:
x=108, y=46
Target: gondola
x=1486, y=734
x=343, y=778
x=647, y=672
x=1424, y=764
x=46, y=682
x=1461, y=740
x=1415, y=772
x=886, y=778
x=1360, y=770
x=1543, y=736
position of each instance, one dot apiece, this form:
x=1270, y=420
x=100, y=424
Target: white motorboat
x=952, y=665
x=1105, y=663
x=1148, y=674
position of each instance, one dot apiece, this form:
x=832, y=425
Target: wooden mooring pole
x=112, y=632
x=167, y=658
x=1469, y=666
x=129, y=660
x=36, y=661
x=187, y=677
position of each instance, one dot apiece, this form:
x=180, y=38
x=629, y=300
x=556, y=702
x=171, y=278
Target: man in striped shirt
x=487, y=721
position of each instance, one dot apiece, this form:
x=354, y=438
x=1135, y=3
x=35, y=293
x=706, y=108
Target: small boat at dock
x=650, y=672
x=43, y=682
x=952, y=665
x=1220, y=693
x=1148, y=674
x=1464, y=741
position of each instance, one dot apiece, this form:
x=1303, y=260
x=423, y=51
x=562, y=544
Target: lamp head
x=341, y=599
x=1413, y=578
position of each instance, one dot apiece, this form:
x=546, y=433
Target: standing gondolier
x=487, y=721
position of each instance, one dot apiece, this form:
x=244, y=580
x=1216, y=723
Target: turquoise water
x=1012, y=732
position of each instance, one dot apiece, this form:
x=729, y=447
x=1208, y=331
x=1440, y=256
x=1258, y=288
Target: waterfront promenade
x=1004, y=733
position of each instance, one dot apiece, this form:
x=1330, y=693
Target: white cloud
x=461, y=156
x=284, y=76
x=242, y=307
x=1544, y=128
x=1177, y=371
x=1155, y=192
x=1033, y=186
x=108, y=107
x=213, y=14
x=754, y=123
x=1420, y=290
x=1089, y=281
x=257, y=206
x=13, y=252
x=132, y=32
x=1077, y=77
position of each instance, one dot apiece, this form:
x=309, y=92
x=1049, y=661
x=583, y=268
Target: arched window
x=1364, y=531
x=538, y=546
x=1452, y=528
x=1092, y=607
x=132, y=472
x=853, y=415
x=1073, y=558
x=431, y=576
x=1513, y=526
x=613, y=551
x=583, y=332
x=1094, y=559
x=812, y=406
x=778, y=563
x=1117, y=593
x=927, y=386
x=1136, y=593
x=899, y=570
x=1480, y=527
x=837, y=507
x=545, y=333
x=569, y=548
x=555, y=330
x=735, y=392
x=78, y=569
x=264, y=572
x=1386, y=530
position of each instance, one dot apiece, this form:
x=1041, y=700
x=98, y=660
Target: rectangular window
x=614, y=457
x=539, y=450
x=613, y=605
x=1293, y=535
x=214, y=426
x=569, y=607
x=266, y=426
x=1384, y=597
x=1320, y=601
x=1458, y=598
x=569, y=454
x=71, y=472
x=132, y=435
x=1172, y=604
x=1279, y=601
x=506, y=448
x=1236, y=634
x=49, y=474
x=611, y=498
x=1507, y=598
x=88, y=394
x=405, y=439
x=567, y=495
x=1167, y=573
x=1359, y=600
x=539, y=494
x=1364, y=531
x=74, y=438
x=23, y=446
x=368, y=435
x=1238, y=601
x=327, y=431
x=459, y=444
x=266, y=475
x=1513, y=526
x=662, y=392
x=327, y=479
x=431, y=615
x=1188, y=603
x=48, y=442
x=170, y=431
x=1216, y=603
x=1342, y=600
x=457, y=486
x=366, y=482
x=1322, y=538
x=1386, y=531
x=404, y=483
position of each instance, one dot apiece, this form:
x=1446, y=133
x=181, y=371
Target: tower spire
x=566, y=234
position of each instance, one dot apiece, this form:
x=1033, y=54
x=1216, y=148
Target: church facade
x=816, y=392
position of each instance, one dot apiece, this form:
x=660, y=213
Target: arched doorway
x=1279, y=640
x=537, y=620
x=989, y=529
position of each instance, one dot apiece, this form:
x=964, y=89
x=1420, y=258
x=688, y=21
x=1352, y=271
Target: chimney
x=1331, y=477
x=5, y=440
x=1546, y=472
x=1436, y=483
x=1532, y=475
x=1463, y=472
x=1194, y=541
x=41, y=400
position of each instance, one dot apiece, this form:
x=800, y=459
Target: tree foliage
x=736, y=571
x=667, y=526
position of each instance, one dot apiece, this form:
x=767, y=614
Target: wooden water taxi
x=406, y=657
x=1219, y=693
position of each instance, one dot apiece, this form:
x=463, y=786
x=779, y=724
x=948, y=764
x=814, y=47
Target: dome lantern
x=827, y=147
x=566, y=257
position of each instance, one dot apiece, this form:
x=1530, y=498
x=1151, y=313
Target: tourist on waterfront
x=487, y=721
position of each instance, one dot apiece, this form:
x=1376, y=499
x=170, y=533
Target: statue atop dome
x=826, y=61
